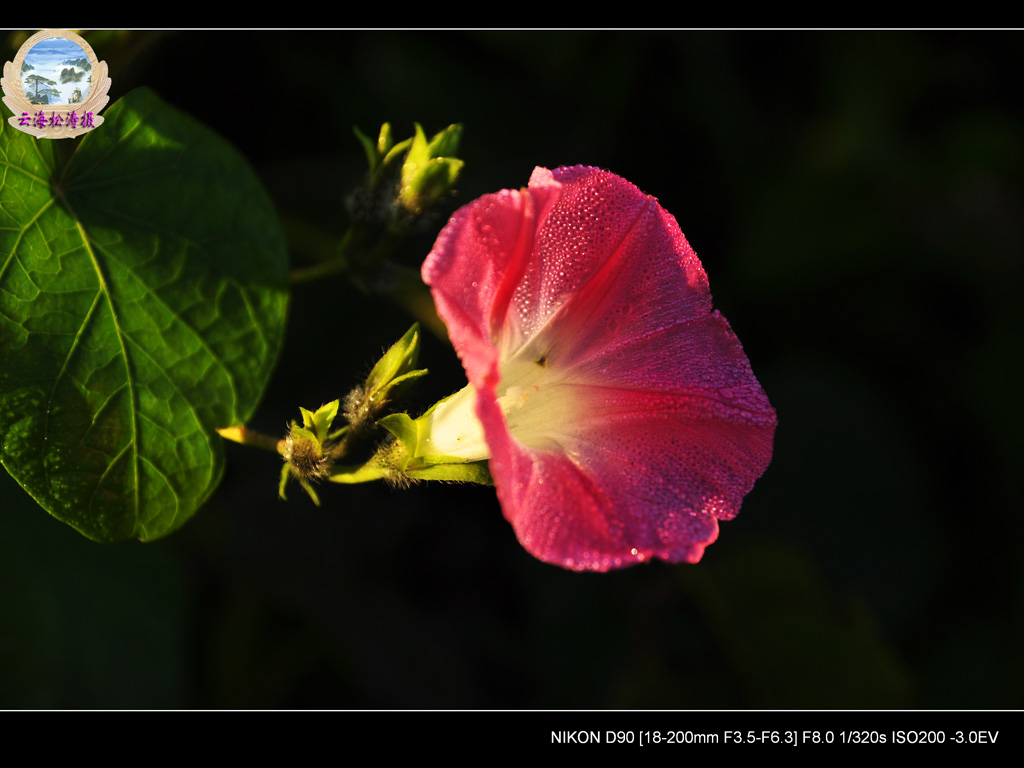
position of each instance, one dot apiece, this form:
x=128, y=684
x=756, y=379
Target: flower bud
x=390, y=378
x=306, y=449
x=429, y=170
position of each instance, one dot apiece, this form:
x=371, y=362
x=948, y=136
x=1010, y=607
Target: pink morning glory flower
x=618, y=412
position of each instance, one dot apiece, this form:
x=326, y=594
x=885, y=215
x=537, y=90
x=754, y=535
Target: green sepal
x=305, y=433
x=446, y=143
x=419, y=154
x=320, y=421
x=399, y=360
x=360, y=473
x=393, y=374
x=430, y=183
x=387, y=464
x=458, y=471
x=371, y=150
x=436, y=459
x=404, y=429
x=382, y=156
x=286, y=473
x=308, y=488
x=396, y=151
x=384, y=139
x=452, y=468
x=399, y=386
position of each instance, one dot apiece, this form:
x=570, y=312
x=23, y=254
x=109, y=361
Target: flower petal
x=477, y=264
x=621, y=413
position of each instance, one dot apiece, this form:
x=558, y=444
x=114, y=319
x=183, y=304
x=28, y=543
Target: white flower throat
x=532, y=399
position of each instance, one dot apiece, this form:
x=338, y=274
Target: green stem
x=406, y=289
x=309, y=239
x=246, y=436
x=311, y=274
x=366, y=265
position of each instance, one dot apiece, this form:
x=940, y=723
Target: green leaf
x=142, y=304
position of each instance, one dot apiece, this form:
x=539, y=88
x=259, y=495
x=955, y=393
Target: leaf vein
x=155, y=296
x=124, y=352
x=21, y=235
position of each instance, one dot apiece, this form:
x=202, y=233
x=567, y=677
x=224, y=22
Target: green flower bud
x=429, y=171
x=394, y=372
x=306, y=449
x=390, y=378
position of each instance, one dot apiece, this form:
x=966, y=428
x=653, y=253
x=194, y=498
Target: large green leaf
x=142, y=305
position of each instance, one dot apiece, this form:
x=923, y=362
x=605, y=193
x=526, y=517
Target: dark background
x=856, y=200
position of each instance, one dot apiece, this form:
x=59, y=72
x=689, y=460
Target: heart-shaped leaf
x=142, y=305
